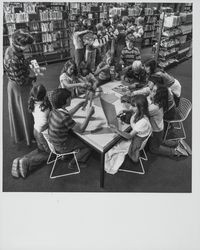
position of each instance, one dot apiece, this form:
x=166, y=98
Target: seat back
x=184, y=108
x=46, y=136
x=145, y=142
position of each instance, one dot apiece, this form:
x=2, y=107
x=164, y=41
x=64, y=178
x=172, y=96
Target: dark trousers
x=157, y=146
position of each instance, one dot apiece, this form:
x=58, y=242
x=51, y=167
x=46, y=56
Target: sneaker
x=23, y=167
x=180, y=151
x=185, y=146
x=15, y=168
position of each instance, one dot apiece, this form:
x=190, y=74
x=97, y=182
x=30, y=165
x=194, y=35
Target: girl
x=141, y=128
x=169, y=81
x=40, y=107
x=158, y=105
x=102, y=72
x=69, y=79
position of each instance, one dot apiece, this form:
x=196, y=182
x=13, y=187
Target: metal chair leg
x=49, y=162
x=58, y=176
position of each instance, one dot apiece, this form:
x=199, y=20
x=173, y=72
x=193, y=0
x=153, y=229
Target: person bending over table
x=132, y=141
x=62, y=125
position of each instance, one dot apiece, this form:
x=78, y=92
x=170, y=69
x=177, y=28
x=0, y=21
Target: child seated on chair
x=141, y=128
x=69, y=78
x=62, y=125
x=40, y=107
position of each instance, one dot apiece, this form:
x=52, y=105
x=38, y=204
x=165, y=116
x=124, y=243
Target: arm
x=65, y=84
x=80, y=128
x=126, y=135
x=76, y=108
x=143, y=91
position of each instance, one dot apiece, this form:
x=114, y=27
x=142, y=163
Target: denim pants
x=40, y=155
x=157, y=146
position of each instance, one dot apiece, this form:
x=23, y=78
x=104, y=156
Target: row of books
x=50, y=15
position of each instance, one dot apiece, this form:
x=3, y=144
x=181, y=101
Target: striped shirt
x=16, y=66
x=60, y=124
x=129, y=56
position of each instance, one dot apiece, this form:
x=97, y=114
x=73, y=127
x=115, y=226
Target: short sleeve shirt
x=142, y=127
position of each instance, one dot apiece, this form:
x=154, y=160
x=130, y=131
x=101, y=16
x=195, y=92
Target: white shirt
x=142, y=127
x=40, y=117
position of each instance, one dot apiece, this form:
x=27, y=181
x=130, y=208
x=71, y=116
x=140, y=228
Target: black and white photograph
x=100, y=125
x=97, y=97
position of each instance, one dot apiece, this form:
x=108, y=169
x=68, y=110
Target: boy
x=129, y=53
x=61, y=126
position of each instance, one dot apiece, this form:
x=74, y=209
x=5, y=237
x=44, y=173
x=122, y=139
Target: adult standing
x=19, y=86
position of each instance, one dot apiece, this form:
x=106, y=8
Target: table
x=103, y=140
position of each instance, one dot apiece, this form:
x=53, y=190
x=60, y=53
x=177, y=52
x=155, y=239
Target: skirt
x=21, y=121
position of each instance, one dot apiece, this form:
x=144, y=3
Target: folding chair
x=58, y=155
x=182, y=112
x=140, y=158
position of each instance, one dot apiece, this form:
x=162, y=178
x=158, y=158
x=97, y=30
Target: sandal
x=15, y=168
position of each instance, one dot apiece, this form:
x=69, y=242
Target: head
x=137, y=66
x=125, y=20
x=22, y=39
x=77, y=27
x=38, y=94
x=69, y=68
x=126, y=101
x=99, y=28
x=60, y=98
x=120, y=28
x=150, y=66
x=130, y=40
x=140, y=21
x=139, y=105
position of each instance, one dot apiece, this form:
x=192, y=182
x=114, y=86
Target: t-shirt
x=69, y=80
x=143, y=126
x=60, y=124
x=40, y=117
x=156, y=117
x=129, y=56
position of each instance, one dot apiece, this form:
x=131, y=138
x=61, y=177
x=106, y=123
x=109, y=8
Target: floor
x=162, y=174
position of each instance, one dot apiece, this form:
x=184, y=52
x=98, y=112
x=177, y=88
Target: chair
x=182, y=112
x=140, y=158
x=58, y=155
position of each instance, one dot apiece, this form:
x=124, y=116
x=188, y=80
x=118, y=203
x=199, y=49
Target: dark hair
x=59, y=97
x=161, y=97
x=157, y=79
x=67, y=65
x=37, y=94
x=22, y=38
x=151, y=63
x=129, y=73
x=142, y=105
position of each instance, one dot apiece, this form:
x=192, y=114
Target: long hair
x=67, y=65
x=161, y=97
x=37, y=94
x=142, y=106
x=151, y=63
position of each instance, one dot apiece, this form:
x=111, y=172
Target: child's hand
x=38, y=71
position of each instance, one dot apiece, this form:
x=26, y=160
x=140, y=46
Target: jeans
x=157, y=146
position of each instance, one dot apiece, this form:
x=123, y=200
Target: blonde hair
x=136, y=66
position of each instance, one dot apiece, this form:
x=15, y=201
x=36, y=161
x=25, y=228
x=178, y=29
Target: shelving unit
x=151, y=20
x=175, y=45
x=47, y=22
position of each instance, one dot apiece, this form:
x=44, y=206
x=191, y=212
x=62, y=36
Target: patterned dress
x=19, y=86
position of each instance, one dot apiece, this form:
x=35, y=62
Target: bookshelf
x=47, y=22
x=176, y=40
